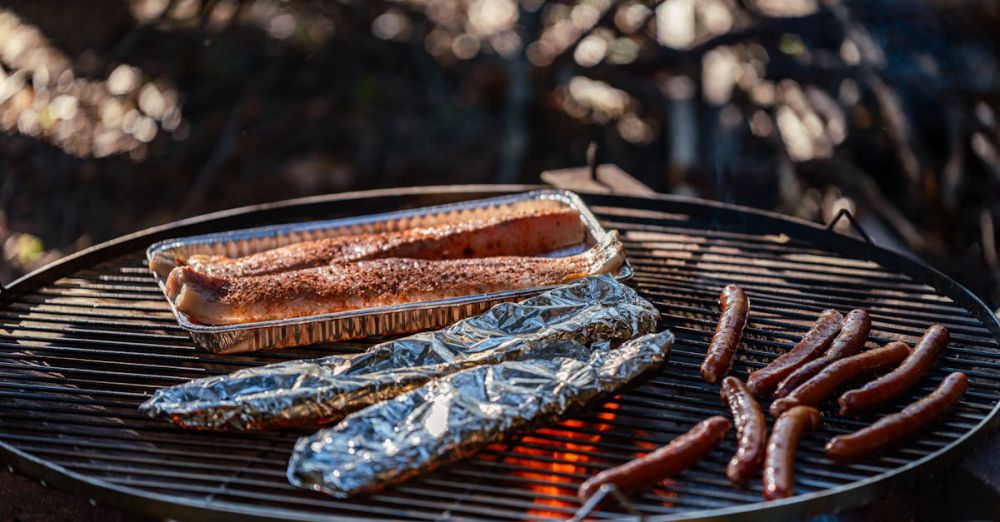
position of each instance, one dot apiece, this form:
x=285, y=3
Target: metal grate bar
x=58, y=349
x=790, y=286
x=709, y=296
x=252, y=496
x=776, y=267
x=75, y=326
x=129, y=366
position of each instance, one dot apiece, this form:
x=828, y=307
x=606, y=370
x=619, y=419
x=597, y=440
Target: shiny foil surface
x=323, y=390
x=454, y=416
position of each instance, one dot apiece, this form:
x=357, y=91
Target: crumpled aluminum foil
x=294, y=393
x=454, y=416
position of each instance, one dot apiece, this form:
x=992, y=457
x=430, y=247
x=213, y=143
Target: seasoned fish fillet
x=455, y=416
x=380, y=282
x=295, y=393
x=524, y=233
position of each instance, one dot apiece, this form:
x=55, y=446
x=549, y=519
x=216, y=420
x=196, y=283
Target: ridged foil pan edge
x=354, y=324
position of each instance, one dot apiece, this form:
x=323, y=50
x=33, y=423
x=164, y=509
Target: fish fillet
x=524, y=233
x=455, y=416
x=294, y=393
x=380, y=282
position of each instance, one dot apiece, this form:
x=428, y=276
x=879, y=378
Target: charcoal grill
x=85, y=340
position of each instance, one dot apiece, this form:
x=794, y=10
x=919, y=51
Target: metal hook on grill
x=595, y=500
x=854, y=224
x=592, y=160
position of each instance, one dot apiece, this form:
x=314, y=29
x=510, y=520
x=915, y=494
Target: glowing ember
x=556, y=461
x=660, y=489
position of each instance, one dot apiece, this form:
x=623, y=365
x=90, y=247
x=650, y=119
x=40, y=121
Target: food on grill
x=719, y=357
x=851, y=339
x=455, y=416
x=779, y=464
x=379, y=282
x=751, y=431
x=524, y=233
x=811, y=392
x=301, y=392
x=815, y=341
x=895, y=383
x=667, y=461
x=891, y=429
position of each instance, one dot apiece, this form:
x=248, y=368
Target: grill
x=85, y=340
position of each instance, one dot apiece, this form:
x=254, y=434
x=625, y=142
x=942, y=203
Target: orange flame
x=660, y=488
x=554, y=460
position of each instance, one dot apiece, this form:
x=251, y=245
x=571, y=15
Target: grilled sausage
x=851, y=339
x=763, y=381
x=779, y=464
x=896, y=382
x=751, y=431
x=680, y=454
x=891, y=429
x=827, y=381
x=719, y=357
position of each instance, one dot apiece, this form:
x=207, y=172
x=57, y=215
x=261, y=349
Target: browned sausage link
x=751, y=431
x=680, y=454
x=801, y=375
x=827, y=381
x=763, y=381
x=779, y=464
x=719, y=357
x=895, y=383
x=891, y=429
x=851, y=339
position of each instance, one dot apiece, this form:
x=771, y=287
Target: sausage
x=896, y=382
x=779, y=463
x=751, y=431
x=719, y=357
x=852, y=336
x=851, y=339
x=891, y=429
x=822, y=385
x=763, y=381
x=680, y=454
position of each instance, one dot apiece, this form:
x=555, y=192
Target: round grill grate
x=83, y=342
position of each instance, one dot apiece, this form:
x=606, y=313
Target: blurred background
x=117, y=115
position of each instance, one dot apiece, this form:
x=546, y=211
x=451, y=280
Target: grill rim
x=359, y=202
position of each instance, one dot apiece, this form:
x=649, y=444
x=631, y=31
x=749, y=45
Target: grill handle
x=595, y=500
x=854, y=224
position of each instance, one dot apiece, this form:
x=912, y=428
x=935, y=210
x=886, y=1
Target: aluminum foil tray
x=354, y=324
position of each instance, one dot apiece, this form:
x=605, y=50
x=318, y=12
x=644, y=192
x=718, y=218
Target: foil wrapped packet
x=295, y=393
x=455, y=416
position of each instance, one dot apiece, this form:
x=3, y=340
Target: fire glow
x=554, y=469
x=552, y=462
x=557, y=459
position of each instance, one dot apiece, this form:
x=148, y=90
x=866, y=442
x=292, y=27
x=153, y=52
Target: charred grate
x=79, y=353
